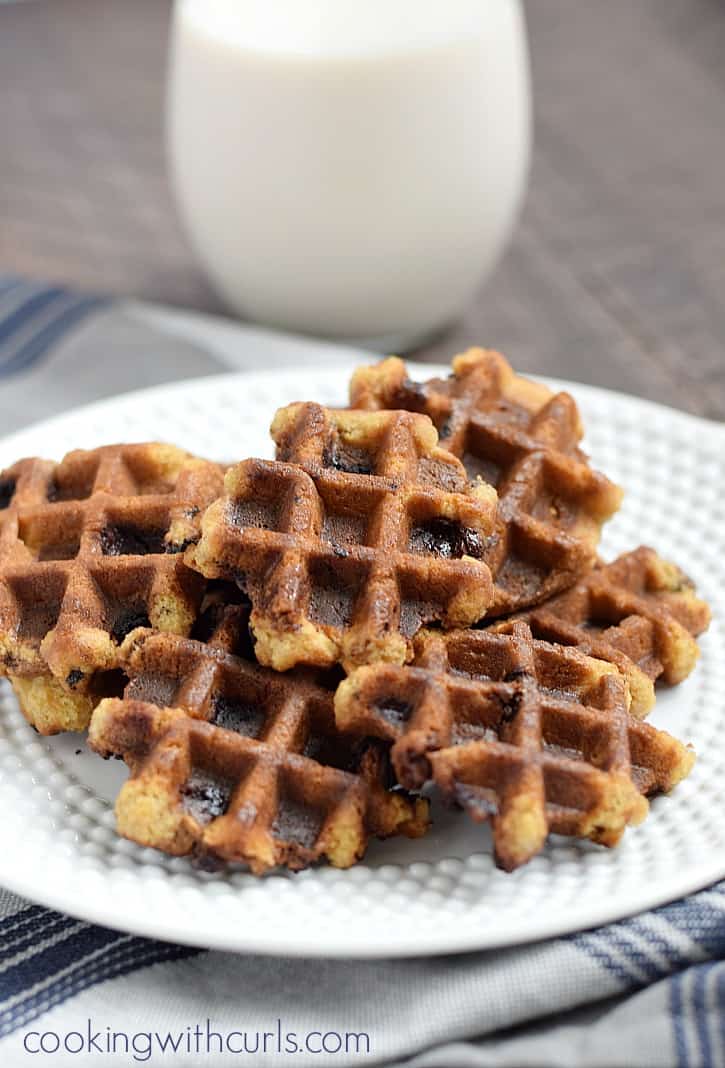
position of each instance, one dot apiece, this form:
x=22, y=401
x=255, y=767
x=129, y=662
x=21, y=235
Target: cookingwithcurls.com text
x=201, y=1039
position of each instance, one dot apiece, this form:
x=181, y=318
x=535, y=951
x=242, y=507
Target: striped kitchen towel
x=648, y=991
x=59, y=349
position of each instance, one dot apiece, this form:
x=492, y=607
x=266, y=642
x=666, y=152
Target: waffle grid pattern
x=93, y=547
x=234, y=762
x=533, y=736
x=524, y=440
x=439, y=894
x=640, y=613
x=348, y=549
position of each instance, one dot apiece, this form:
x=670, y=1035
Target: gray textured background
x=616, y=275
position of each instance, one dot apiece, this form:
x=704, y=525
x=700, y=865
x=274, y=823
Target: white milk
x=349, y=167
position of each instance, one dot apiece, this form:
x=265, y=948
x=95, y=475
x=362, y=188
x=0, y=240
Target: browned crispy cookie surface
x=233, y=761
x=532, y=736
x=371, y=532
x=524, y=440
x=90, y=549
x=640, y=612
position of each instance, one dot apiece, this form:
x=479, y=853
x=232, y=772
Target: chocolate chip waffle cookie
x=90, y=549
x=346, y=556
x=532, y=736
x=524, y=440
x=232, y=761
x=640, y=613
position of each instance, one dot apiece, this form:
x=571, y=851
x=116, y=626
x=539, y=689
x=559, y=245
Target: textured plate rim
x=96, y=408
x=30, y=884
x=442, y=944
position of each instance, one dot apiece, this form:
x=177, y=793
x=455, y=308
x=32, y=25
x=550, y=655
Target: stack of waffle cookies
x=293, y=655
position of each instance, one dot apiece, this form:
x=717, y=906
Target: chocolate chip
x=127, y=622
x=510, y=709
x=348, y=459
x=206, y=623
x=394, y=711
x=126, y=540
x=510, y=712
x=335, y=751
x=446, y=538
x=205, y=796
x=517, y=673
x=7, y=492
x=240, y=716
x=414, y=389
x=174, y=549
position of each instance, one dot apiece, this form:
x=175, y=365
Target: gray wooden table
x=616, y=275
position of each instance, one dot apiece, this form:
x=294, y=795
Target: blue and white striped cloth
x=649, y=991
x=33, y=318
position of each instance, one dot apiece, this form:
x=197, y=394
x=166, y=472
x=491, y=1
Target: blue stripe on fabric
x=708, y=1021
x=23, y=914
x=638, y=967
x=38, y=344
x=648, y=967
x=720, y=1015
x=19, y=318
x=25, y=935
x=678, y=1021
x=25, y=973
x=701, y=921
x=87, y=956
x=699, y=1005
x=16, y=928
x=120, y=960
x=675, y=957
x=593, y=947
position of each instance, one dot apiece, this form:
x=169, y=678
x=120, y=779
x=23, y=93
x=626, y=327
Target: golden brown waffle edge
x=639, y=612
x=524, y=440
x=534, y=737
x=235, y=762
x=345, y=551
x=91, y=548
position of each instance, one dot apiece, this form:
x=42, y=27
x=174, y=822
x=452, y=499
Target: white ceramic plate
x=437, y=895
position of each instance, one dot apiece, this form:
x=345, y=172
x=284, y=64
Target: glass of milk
x=349, y=168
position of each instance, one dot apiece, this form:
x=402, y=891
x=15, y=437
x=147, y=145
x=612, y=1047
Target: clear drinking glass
x=349, y=169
